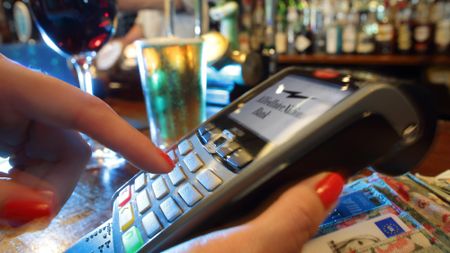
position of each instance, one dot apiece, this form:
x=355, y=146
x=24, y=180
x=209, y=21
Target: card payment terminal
x=291, y=126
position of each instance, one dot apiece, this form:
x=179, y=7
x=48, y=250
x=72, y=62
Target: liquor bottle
x=334, y=37
x=349, y=32
x=244, y=42
x=258, y=27
x=304, y=36
x=385, y=39
x=281, y=35
x=318, y=27
x=442, y=37
x=333, y=28
x=227, y=14
x=269, y=30
x=292, y=21
x=441, y=21
x=246, y=26
x=365, y=38
x=403, y=24
x=422, y=30
x=246, y=16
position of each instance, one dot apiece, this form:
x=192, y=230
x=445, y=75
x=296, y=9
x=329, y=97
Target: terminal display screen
x=288, y=106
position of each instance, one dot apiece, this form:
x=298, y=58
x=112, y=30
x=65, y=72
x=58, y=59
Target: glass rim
x=166, y=41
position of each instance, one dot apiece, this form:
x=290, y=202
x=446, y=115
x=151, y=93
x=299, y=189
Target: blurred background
x=247, y=40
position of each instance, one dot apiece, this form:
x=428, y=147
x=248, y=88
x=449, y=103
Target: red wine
x=75, y=26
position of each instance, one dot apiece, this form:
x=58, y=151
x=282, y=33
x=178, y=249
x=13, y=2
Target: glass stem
x=82, y=65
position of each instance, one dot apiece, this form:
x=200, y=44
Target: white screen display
x=287, y=106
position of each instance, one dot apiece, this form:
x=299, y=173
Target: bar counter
x=90, y=204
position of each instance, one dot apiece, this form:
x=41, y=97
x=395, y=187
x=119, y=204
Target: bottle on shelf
x=367, y=28
x=227, y=14
x=245, y=26
x=362, y=26
x=349, y=30
x=441, y=21
x=334, y=37
x=281, y=26
x=385, y=38
x=404, y=38
x=304, y=35
x=269, y=27
x=258, y=27
x=292, y=23
x=333, y=30
x=318, y=27
x=422, y=29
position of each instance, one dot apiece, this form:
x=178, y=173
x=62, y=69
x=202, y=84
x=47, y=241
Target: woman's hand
x=39, y=120
x=285, y=226
x=40, y=117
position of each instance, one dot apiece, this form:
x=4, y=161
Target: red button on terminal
x=124, y=196
x=326, y=73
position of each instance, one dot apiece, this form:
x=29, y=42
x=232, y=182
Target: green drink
x=173, y=78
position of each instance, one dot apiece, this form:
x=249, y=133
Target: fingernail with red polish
x=329, y=189
x=49, y=196
x=23, y=211
x=166, y=158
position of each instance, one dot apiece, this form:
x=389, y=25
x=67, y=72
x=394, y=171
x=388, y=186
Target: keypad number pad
x=132, y=240
x=190, y=194
x=185, y=147
x=143, y=201
x=172, y=156
x=153, y=201
x=177, y=175
x=151, y=224
x=209, y=180
x=170, y=209
x=160, y=188
x=193, y=162
x=140, y=182
x=126, y=217
x=124, y=196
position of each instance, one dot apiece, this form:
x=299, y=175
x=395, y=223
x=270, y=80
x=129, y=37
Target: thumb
x=20, y=204
x=296, y=215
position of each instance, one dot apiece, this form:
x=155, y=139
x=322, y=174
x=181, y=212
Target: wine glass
x=77, y=29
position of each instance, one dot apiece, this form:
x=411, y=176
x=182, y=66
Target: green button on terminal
x=132, y=240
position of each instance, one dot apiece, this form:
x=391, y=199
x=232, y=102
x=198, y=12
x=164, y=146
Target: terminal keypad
x=193, y=162
x=143, y=201
x=170, y=209
x=177, y=175
x=184, y=147
x=160, y=188
x=140, y=182
x=151, y=224
x=124, y=196
x=226, y=149
x=209, y=180
x=239, y=158
x=190, y=194
x=226, y=145
x=153, y=201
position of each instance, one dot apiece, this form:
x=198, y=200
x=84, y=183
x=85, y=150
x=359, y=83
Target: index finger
x=48, y=100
